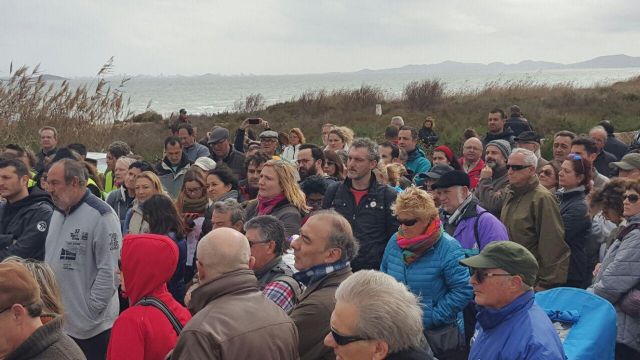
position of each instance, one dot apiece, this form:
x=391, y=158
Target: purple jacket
x=489, y=228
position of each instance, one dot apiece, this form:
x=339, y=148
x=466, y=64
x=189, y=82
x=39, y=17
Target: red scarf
x=414, y=247
x=266, y=205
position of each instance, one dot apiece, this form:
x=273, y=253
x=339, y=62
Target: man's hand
x=486, y=172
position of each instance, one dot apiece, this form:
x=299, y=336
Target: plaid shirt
x=280, y=293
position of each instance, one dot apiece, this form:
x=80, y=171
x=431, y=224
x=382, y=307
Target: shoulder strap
x=475, y=228
x=156, y=303
x=624, y=232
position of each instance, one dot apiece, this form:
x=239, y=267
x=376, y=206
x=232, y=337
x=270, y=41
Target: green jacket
x=532, y=217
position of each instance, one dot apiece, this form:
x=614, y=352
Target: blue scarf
x=319, y=272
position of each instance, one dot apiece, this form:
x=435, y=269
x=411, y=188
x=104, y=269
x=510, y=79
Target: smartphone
x=254, y=121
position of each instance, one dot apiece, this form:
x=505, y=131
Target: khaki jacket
x=233, y=320
x=313, y=312
x=532, y=217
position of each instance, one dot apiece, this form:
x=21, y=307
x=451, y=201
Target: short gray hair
x=340, y=234
x=387, y=310
x=269, y=228
x=529, y=156
x=230, y=206
x=370, y=145
x=599, y=129
x=73, y=169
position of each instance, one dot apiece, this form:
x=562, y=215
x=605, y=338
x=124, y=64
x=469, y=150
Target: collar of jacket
x=183, y=162
x=48, y=153
x=267, y=267
x=316, y=273
x=372, y=183
x=566, y=194
x=490, y=318
x=231, y=282
x=73, y=208
x=532, y=184
x=45, y=336
x=415, y=153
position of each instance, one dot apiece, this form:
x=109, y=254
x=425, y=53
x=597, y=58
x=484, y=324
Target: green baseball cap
x=508, y=256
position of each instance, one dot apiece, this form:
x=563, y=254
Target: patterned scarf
x=266, y=205
x=194, y=205
x=318, y=272
x=414, y=247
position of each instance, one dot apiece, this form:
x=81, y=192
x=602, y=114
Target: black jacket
x=616, y=147
x=24, y=225
x=428, y=136
x=517, y=125
x=371, y=220
x=602, y=162
x=506, y=134
x=577, y=230
x=234, y=160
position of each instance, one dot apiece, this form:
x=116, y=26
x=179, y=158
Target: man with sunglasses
x=532, y=217
x=510, y=324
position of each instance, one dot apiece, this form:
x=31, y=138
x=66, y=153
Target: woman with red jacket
x=145, y=331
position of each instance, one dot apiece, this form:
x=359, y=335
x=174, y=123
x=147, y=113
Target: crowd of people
x=265, y=246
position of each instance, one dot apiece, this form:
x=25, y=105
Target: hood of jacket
x=165, y=166
x=36, y=195
x=148, y=263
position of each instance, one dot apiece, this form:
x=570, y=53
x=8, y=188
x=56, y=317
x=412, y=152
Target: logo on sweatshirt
x=41, y=226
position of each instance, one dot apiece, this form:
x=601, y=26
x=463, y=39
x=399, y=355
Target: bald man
x=232, y=319
x=471, y=161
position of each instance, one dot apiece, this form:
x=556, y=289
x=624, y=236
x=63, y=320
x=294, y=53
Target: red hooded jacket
x=144, y=332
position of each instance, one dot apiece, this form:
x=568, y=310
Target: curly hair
x=417, y=202
x=610, y=196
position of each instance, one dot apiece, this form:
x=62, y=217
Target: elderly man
x=562, y=145
x=222, y=151
x=496, y=129
x=603, y=158
x=173, y=166
x=48, y=147
x=493, y=177
x=532, y=217
x=471, y=161
x=365, y=203
x=376, y=317
x=397, y=121
x=226, y=213
x=267, y=241
x=21, y=330
x=613, y=145
x=82, y=248
x=322, y=254
x=25, y=214
x=510, y=324
x=628, y=167
x=531, y=141
x=408, y=140
x=269, y=143
x=232, y=319
x=462, y=217
x=192, y=149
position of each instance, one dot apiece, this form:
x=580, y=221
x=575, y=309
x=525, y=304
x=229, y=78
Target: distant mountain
x=611, y=61
x=49, y=77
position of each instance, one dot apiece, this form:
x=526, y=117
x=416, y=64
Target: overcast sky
x=189, y=37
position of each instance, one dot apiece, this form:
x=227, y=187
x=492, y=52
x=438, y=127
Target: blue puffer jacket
x=418, y=163
x=518, y=331
x=436, y=276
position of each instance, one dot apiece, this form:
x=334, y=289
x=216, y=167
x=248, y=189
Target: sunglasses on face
x=407, y=222
x=517, y=167
x=481, y=275
x=633, y=198
x=343, y=340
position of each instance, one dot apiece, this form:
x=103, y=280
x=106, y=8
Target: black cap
x=528, y=136
x=452, y=178
x=436, y=172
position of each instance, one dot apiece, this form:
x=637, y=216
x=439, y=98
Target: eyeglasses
x=251, y=243
x=482, y=275
x=343, y=340
x=192, y=191
x=633, y=198
x=517, y=167
x=407, y=222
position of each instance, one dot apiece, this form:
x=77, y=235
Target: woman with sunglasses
x=334, y=166
x=423, y=256
x=575, y=183
x=548, y=176
x=620, y=274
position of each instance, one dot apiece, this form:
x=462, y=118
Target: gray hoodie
x=83, y=249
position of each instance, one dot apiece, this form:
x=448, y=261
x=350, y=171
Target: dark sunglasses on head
x=517, y=167
x=482, y=274
x=407, y=222
x=343, y=340
x=633, y=198
x=575, y=156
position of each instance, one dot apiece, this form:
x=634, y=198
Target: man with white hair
x=397, y=121
x=376, y=317
x=604, y=158
x=531, y=141
x=532, y=217
x=232, y=319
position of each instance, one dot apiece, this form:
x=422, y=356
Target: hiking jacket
x=284, y=211
x=172, y=180
x=233, y=320
x=517, y=125
x=417, y=162
x=506, y=135
x=577, y=231
x=313, y=312
x=616, y=147
x=619, y=273
x=24, y=225
x=491, y=192
x=532, y=217
x=145, y=332
x=371, y=220
x=477, y=221
x=519, y=331
x=48, y=342
x=436, y=276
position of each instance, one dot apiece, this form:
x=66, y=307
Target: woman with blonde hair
x=340, y=138
x=423, y=256
x=290, y=152
x=279, y=195
x=147, y=184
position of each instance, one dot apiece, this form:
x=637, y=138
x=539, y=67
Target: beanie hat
x=502, y=145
